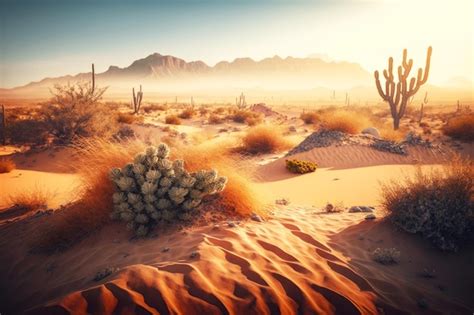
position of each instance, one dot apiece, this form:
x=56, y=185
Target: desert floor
x=299, y=259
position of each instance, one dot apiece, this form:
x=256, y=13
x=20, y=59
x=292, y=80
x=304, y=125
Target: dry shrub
x=344, y=121
x=309, y=117
x=437, y=204
x=215, y=119
x=96, y=157
x=245, y=116
x=34, y=199
x=127, y=118
x=187, y=113
x=387, y=132
x=154, y=107
x=6, y=165
x=461, y=127
x=172, y=120
x=26, y=130
x=264, y=139
x=238, y=197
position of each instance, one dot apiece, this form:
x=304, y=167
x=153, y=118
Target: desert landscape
x=279, y=185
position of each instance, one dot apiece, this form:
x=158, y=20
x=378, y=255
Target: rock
x=231, y=224
x=256, y=217
x=104, y=273
x=282, y=202
x=194, y=254
x=354, y=209
x=318, y=139
x=370, y=216
x=329, y=207
x=166, y=249
x=365, y=209
x=215, y=227
x=371, y=131
x=292, y=129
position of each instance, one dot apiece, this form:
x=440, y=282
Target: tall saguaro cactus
x=240, y=102
x=93, y=78
x=137, y=100
x=397, y=95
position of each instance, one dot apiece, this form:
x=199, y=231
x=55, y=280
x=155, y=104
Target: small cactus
x=153, y=189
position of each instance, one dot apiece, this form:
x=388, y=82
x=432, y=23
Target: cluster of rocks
x=389, y=146
x=361, y=209
x=318, y=139
x=262, y=108
x=414, y=139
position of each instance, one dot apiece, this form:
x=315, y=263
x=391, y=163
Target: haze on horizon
x=56, y=38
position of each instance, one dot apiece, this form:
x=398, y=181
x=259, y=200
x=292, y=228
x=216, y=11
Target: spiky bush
x=153, y=189
x=300, y=167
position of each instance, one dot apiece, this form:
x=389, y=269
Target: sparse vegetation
x=264, y=139
x=127, y=118
x=344, y=121
x=386, y=256
x=309, y=117
x=460, y=127
x=437, y=204
x=172, y=120
x=300, y=167
x=153, y=108
x=34, y=199
x=215, y=119
x=6, y=165
x=187, y=113
x=245, y=116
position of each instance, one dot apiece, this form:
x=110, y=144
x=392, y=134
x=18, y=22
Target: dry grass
x=264, y=139
x=461, y=127
x=172, y=120
x=309, y=117
x=215, y=119
x=127, y=118
x=6, y=165
x=351, y=122
x=34, y=199
x=154, y=107
x=95, y=159
x=387, y=132
x=245, y=116
x=238, y=197
x=187, y=113
x=437, y=204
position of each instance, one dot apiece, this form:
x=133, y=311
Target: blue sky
x=52, y=38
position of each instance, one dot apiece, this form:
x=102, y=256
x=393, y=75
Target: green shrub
x=153, y=189
x=300, y=167
x=438, y=205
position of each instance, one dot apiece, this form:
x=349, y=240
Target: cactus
x=93, y=79
x=137, y=100
x=153, y=189
x=240, y=102
x=425, y=101
x=398, y=95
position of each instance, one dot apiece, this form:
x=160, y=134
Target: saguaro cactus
x=425, y=101
x=240, y=102
x=137, y=100
x=397, y=95
x=93, y=78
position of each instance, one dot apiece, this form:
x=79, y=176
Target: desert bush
x=6, y=165
x=172, y=120
x=26, y=131
x=154, y=107
x=203, y=110
x=300, y=167
x=437, y=204
x=344, y=121
x=215, y=119
x=309, y=117
x=154, y=189
x=74, y=111
x=386, y=256
x=187, y=113
x=264, y=139
x=127, y=118
x=461, y=127
x=245, y=116
x=33, y=199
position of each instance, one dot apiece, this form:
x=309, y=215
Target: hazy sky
x=51, y=38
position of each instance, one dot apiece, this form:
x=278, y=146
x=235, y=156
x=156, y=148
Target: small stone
x=292, y=129
x=256, y=217
x=166, y=249
x=370, y=216
x=365, y=209
x=215, y=227
x=422, y=303
x=354, y=209
x=194, y=254
x=231, y=224
x=371, y=131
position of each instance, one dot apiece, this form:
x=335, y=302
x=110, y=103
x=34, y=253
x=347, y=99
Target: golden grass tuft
x=350, y=122
x=309, y=117
x=460, y=127
x=172, y=120
x=264, y=139
x=33, y=199
x=215, y=119
x=6, y=165
x=127, y=118
x=187, y=113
